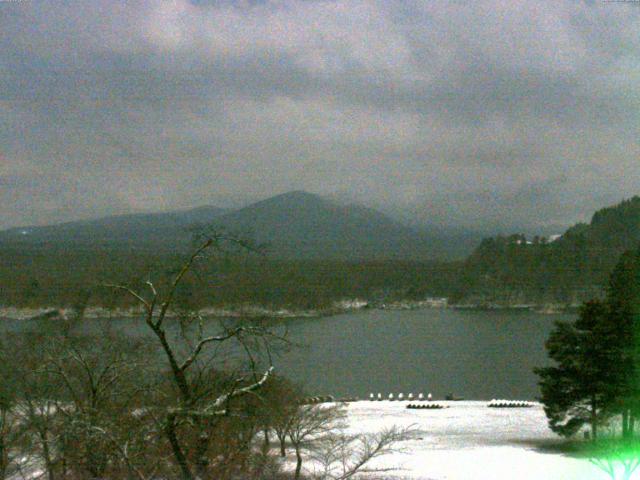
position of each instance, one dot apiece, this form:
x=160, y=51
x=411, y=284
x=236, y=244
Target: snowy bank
x=469, y=441
x=231, y=311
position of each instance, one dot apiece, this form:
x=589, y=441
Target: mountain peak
x=295, y=195
x=295, y=224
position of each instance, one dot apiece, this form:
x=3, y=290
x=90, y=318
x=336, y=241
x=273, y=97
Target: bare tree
x=38, y=412
x=70, y=389
x=311, y=425
x=341, y=456
x=10, y=429
x=282, y=400
x=189, y=421
x=100, y=384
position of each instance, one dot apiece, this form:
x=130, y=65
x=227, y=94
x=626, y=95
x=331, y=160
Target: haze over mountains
x=301, y=225
x=297, y=225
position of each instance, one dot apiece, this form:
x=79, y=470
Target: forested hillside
x=367, y=256
x=570, y=269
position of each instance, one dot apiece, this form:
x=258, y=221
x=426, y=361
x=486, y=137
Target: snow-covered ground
x=469, y=441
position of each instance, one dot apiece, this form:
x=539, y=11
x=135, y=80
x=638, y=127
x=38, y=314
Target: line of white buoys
x=400, y=396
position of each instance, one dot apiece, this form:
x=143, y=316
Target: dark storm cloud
x=449, y=110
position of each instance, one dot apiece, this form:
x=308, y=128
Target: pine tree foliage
x=597, y=359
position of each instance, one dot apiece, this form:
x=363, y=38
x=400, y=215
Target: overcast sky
x=477, y=113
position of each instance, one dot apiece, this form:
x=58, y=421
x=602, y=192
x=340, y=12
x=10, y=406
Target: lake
x=473, y=354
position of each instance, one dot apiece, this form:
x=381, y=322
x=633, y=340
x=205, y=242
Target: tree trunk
x=298, y=463
x=202, y=461
x=283, y=442
x=266, y=438
x=4, y=460
x=594, y=419
x=46, y=453
x=178, y=374
x=625, y=423
x=179, y=455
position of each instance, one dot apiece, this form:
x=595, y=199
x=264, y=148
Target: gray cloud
x=441, y=109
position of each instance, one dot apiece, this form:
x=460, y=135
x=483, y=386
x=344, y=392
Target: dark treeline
x=57, y=276
x=572, y=269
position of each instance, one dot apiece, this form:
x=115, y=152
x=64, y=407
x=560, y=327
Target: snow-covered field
x=469, y=441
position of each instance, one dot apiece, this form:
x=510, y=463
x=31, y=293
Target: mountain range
x=503, y=270
x=294, y=225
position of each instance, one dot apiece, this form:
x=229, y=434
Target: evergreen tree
x=624, y=314
x=578, y=390
x=597, y=359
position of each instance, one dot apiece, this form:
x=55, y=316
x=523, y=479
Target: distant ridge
x=153, y=230
x=295, y=225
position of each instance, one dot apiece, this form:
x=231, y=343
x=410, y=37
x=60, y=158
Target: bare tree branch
x=218, y=407
x=196, y=351
x=185, y=268
x=131, y=292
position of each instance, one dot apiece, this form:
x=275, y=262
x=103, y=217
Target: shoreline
x=256, y=311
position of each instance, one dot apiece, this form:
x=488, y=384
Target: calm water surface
x=473, y=354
